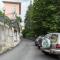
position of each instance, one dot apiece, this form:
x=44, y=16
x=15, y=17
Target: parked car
x=38, y=41
x=51, y=44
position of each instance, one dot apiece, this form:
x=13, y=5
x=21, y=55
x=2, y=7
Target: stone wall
x=8, y=38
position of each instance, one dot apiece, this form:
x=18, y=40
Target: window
x=48, y=36
x=54, y=38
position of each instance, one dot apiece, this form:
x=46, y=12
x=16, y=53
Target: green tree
x=46, y=16
x=28, y=19
x=28, y=22
x=43, y=17
x=1, y=13
x=18, y=21
x=5, y=18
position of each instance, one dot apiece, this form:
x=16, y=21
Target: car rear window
x=54, y=38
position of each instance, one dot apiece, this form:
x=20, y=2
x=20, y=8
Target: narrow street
x=25, y=51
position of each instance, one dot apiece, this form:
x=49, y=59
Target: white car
x=51, y=44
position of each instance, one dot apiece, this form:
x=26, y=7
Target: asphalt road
x=26, y=51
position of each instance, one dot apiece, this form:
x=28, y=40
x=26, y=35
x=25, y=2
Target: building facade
x=12, y=8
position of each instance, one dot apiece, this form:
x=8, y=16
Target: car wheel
x=35, y=44
x=38, y=47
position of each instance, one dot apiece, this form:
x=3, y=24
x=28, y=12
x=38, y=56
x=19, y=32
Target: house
x=12, y=8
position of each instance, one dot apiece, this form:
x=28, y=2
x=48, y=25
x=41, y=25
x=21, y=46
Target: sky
x=24, y=7
x=25, y=4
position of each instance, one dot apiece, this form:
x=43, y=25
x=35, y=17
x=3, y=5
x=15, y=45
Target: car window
x=54, y=38
x=38, y=38
x=48, y=36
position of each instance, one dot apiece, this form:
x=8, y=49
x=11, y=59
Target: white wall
x=7, y=36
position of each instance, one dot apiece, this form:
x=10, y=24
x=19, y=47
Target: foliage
x=28, y=19
x=18, y=21
x=28, y=32
x=1, y=13
x=43, y=17
x=11, y=23
x=7, y=20
x=46, y=16
x=4, y=18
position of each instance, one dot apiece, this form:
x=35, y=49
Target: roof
x=54, y=33
x=11, y=2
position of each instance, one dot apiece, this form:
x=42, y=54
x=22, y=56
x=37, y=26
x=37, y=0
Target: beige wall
x=10, y=8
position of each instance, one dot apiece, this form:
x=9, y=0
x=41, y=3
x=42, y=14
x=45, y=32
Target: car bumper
x=55, y=51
